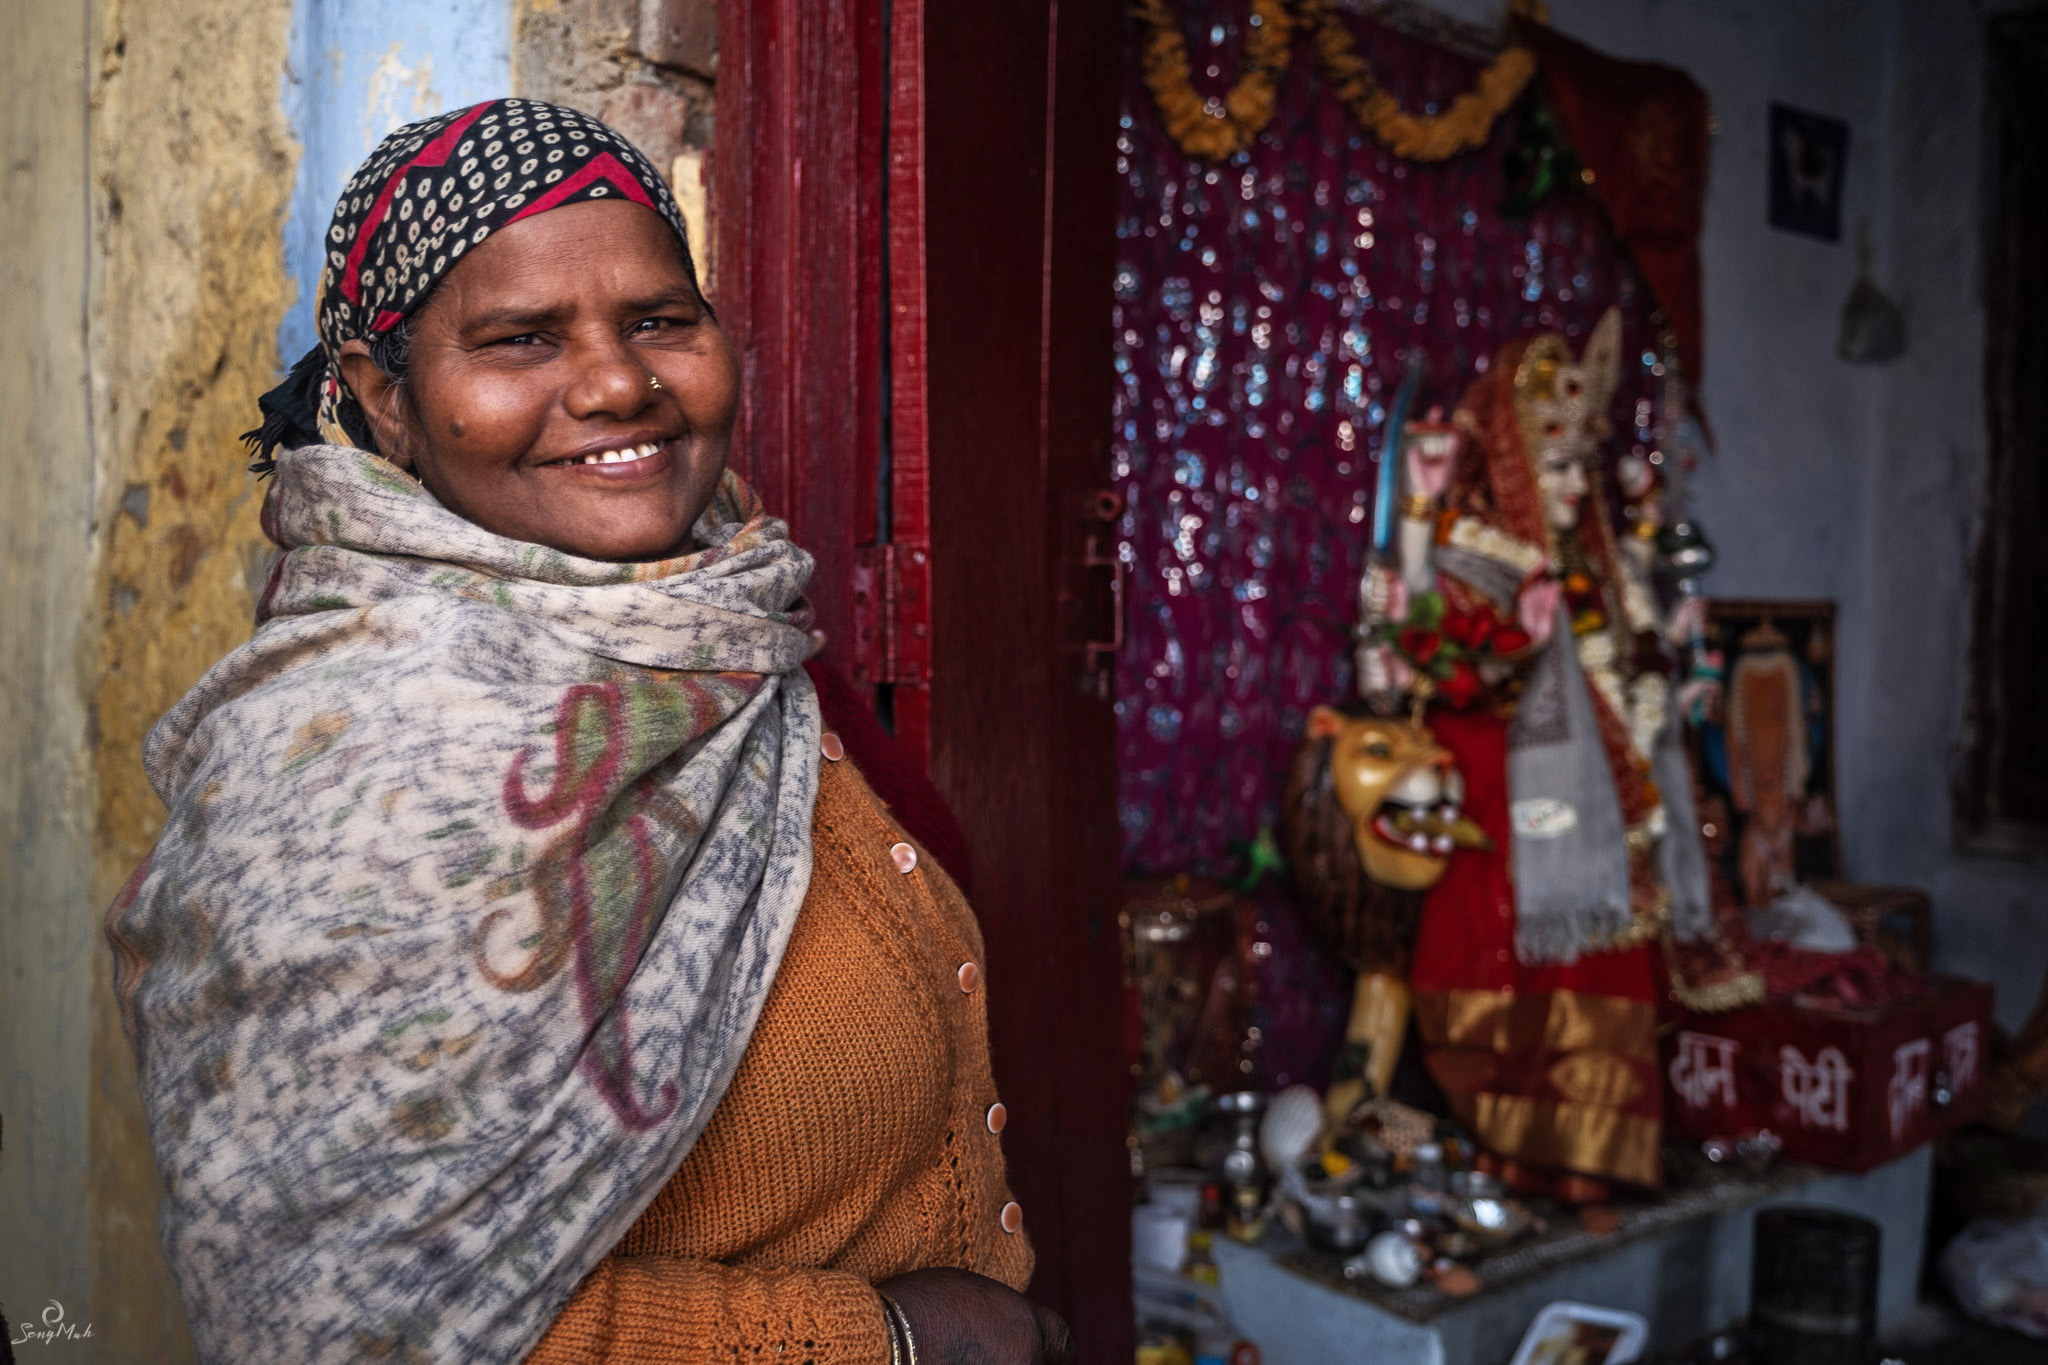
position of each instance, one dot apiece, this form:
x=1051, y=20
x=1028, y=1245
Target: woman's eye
x=523, y=339
x=647, y=325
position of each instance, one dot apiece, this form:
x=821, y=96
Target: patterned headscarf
x=432, y=191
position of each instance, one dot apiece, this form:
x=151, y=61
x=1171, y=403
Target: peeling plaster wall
x=191, y=163
x=358, y=69
x=1861, y=484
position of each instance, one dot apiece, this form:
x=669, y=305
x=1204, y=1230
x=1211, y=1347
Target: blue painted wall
x=358, y=69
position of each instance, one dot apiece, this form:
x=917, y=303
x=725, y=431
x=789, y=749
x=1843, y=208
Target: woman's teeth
x=624, y=456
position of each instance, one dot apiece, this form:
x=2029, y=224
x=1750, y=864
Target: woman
x=522, y=972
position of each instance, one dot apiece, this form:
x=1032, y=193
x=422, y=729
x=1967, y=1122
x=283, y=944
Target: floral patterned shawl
x=480, y=862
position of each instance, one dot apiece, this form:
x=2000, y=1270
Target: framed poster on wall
x=1808, y=153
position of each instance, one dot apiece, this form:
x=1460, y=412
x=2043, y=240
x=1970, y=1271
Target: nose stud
x=653, y=383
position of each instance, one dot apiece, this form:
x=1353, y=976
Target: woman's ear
x=377, y=394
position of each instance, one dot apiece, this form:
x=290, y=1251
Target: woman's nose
x=609, y=381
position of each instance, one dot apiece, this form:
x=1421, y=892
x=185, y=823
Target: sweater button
x=1013, y=1217
x=829, y=745
x=998, y=1117
x=970, y=977
x=904, y=856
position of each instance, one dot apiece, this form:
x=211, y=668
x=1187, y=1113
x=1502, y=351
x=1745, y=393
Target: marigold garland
x=1215, y=129
x=1417, y=137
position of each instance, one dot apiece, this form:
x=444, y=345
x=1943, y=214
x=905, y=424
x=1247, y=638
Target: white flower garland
x=1638, y=607
x=1475, y=536
x=1642, y=702
x=1649, y=702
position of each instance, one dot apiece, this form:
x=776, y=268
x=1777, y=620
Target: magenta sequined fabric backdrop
x=1265, y=308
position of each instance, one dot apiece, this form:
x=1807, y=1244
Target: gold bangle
x=1416, y=507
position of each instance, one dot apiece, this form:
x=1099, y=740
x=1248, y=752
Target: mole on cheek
x=455, y=426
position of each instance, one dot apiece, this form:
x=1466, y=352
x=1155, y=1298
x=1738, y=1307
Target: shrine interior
x=1781, y=429
x=1469, y=580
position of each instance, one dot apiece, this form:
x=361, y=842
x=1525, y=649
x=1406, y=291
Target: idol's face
x=566, y=386
x=1561, y=480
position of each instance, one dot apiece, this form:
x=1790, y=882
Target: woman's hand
x=960, y=1318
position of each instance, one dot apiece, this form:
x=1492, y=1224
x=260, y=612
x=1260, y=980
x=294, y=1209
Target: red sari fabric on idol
x=1551, y=1066
x=1643, y=129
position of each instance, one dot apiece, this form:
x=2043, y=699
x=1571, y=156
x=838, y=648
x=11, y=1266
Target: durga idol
x=1535, y=973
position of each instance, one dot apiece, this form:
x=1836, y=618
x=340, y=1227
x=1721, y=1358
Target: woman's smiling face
x=566, y=386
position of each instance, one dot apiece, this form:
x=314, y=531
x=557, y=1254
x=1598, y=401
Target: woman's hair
x=390, y=352
x=1363, y=922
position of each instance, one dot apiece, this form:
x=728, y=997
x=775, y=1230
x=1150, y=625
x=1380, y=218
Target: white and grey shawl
x=479, y=863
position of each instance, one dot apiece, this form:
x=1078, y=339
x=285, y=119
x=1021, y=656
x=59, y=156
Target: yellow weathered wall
x=147, y=170
x=192, y=168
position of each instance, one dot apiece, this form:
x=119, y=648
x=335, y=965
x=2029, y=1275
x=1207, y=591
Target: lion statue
x=1369, y=819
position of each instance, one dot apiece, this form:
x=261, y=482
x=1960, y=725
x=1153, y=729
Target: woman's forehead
x=588, y=249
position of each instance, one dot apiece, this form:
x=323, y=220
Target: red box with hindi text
x=1848, y=1089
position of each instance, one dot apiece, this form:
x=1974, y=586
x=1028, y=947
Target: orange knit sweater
x=856, y=1143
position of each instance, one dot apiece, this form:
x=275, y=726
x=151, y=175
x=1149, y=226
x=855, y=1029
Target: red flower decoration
x=1510, y=640
x=1462, y=687
x=1420, y=645
x=1469, y=630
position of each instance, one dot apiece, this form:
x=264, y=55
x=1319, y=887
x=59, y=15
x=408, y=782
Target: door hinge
x=892, y=636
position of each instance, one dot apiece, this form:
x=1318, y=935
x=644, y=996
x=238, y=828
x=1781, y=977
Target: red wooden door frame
x=798, y=275
x=936, y=204
x=1020, y=153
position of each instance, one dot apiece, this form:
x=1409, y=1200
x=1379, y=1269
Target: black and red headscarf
x=429, y=193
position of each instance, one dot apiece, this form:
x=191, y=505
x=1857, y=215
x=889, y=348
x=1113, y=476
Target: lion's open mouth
x=1431, y=830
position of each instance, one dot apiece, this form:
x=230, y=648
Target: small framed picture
x=1567, y=1333
x=1807, y=155
x=1764, y=750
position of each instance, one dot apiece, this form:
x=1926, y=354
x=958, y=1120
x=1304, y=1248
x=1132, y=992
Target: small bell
x=1686, y=552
